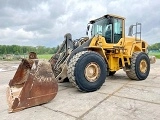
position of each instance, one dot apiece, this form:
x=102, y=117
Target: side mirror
x=88, y=27
x=130, y=33
x=87, y=33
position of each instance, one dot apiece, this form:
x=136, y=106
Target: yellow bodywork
x=117, y=55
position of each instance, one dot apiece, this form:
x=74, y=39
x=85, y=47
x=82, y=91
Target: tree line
x=154, y=47
x=20, y=50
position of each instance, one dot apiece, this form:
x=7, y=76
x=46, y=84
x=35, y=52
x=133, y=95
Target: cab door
x=113, y=31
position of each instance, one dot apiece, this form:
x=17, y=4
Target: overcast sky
x=44, y=22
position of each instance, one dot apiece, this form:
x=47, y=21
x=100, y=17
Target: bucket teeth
x=33, y=84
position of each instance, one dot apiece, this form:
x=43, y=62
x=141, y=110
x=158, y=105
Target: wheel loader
x=85, y=62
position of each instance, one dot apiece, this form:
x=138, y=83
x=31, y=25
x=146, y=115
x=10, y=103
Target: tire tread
x=72, y=65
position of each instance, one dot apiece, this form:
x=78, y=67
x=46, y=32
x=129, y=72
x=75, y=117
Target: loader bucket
x=33, y=84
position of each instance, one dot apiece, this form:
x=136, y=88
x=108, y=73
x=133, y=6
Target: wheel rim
x=92, y=72
x=143, y=66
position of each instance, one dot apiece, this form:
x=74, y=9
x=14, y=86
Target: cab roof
x=107, y=15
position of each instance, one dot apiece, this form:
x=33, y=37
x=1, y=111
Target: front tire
x=87, y=71
x=140, y=66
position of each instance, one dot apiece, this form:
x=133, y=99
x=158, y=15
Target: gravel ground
x=118, y=99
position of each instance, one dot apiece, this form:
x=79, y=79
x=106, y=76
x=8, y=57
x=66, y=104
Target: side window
x=99, y=29
x=117, y=30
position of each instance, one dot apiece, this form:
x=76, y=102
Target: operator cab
x=108, y=26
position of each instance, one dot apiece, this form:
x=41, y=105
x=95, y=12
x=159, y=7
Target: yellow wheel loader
x=85, y=62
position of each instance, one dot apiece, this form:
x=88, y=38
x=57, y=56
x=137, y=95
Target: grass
x=45, y=56
x=156, y=54
x=48, y=56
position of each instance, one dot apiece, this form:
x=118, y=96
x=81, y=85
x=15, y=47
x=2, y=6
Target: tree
x=15, y=49
x=155, y=46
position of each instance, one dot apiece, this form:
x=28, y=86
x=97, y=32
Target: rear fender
x=134, y=49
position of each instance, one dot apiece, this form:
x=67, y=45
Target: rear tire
x=87, y=71
x=140, y=66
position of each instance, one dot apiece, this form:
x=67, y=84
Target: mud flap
x=33, y=84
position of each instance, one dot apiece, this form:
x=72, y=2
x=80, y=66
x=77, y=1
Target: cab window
x=117, y=30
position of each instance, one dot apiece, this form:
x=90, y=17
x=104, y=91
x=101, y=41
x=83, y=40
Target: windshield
x=100, y=27
x=110, y=29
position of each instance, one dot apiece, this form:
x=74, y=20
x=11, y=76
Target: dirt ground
x=118, y=99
